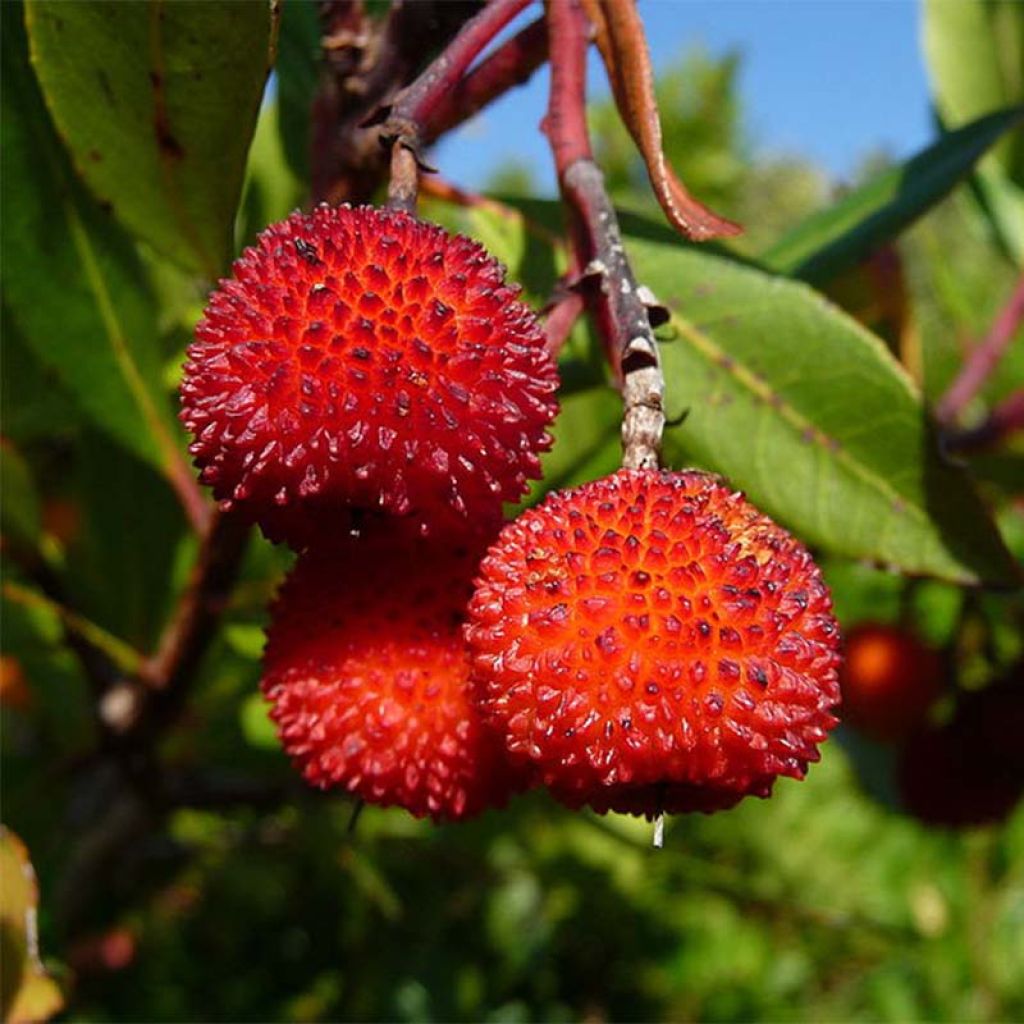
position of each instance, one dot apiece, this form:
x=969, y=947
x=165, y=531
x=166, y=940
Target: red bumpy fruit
x=650, y=642
x=361, y=358
x=889, y=680
x=368, y=674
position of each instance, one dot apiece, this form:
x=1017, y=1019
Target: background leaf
x=297, y=57
x=975, y=57
x=26, y=992
x=808, y=412
x=20, y=519
x=81, y=303
x=157, y=103
x=833, y=240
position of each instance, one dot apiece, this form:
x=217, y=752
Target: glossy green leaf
x=27, y=993
x=834, y=239
x=157, y=102
x=809, y=413
x=74, y=287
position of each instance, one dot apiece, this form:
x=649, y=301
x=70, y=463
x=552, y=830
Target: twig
x=984, y=358
x=511, y=64
x=403, y=185
x=1004, y=420
x=183, y=482
x=185, y=640
x=620, y=310
x=565, y=309
x=367, y=63
x=404, y=128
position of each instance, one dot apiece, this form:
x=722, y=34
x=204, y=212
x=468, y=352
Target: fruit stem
x=607, y=280
x=658, y=839
x=983, y=358
x=433, y=94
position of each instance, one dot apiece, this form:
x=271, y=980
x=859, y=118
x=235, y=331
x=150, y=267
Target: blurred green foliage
x=242, y=896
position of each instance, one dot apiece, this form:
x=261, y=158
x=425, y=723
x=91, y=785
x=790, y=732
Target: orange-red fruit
x=361, y=358
x=650, y=641
x=889, y=680
x=368, y=674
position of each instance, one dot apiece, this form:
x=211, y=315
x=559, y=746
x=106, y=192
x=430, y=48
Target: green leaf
x=809, y=413
x=157, y=102
x=975, y=57
x=120, y=570
x=835, y=239
x=272, y=191
x=81, y=302
x=297, y=61
x=586, y=443
x=27, y=993
x=20, y=519
x=257, y=728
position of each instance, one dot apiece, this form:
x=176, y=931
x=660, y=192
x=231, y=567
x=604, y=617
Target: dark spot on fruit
x=307, y=251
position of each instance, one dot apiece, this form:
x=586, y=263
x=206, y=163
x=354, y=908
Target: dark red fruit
x=363, y=359
x=651, y=642
x=969, y=771
x=889, y=680
x=368, y=675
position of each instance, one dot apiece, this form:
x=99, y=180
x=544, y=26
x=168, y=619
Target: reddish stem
x=984, y=358
x=511, y=64
x=416, y=104
x=197, y=509
x=1006, y=419
x=613, y=295
x=199, y=610
x=404, y=128
x=566, y=309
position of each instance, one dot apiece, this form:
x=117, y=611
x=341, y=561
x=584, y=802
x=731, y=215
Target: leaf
x=975, y=57
x=27, y=993
x=825, y=244
x=297, y=61
x=809, y=413
x=81, y=304
x=623, y=47
x=586, y=445
x=120, y=570
x=20, y=520
x=157, y=103
x=33, y=401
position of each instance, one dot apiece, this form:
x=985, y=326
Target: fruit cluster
x=368, y=389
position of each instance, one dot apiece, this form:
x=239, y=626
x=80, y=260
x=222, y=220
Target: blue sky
x=832, y=80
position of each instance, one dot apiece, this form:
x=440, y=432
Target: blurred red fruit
x=969, y=771
x=889, y=680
